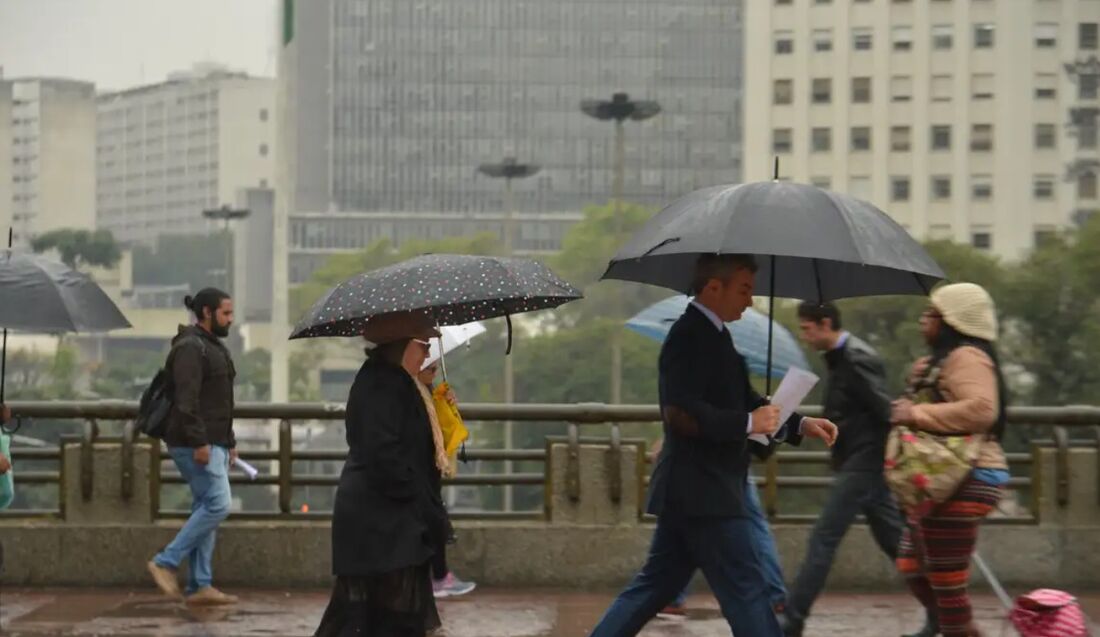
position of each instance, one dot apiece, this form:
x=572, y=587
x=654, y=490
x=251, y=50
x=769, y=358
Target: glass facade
x=423, y=91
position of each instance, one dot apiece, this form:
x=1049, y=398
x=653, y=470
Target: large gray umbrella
x=810, y=244
x=825, y=245
x=40, y=295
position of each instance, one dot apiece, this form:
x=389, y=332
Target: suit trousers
x=731, y=561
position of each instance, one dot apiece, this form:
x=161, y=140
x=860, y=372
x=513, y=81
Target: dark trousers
x=852, y=493
x=439, y=562
x=723, y=548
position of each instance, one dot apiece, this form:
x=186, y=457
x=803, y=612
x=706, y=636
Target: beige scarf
x=442, y=462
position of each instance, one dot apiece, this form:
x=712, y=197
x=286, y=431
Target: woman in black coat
x=388, y=516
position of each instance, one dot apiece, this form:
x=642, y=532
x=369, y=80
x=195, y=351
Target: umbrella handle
x=771, y=319
x=508, y=320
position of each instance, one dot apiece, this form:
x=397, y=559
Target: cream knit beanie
x=968, y=308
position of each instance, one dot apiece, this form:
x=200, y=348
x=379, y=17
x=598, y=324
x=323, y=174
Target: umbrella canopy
x=453, y=337
x=452, y=289
x=45, y=296
x=821, y=244
x=749, y=335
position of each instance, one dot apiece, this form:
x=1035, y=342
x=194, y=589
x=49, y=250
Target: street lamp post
x=619, y=109
x=227, y=214
x=509, y=169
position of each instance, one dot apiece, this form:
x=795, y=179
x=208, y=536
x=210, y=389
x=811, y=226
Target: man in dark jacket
x=709, y=410
x=856, y=400
x=201, y=442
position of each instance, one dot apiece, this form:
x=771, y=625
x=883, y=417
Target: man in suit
x=709, y=410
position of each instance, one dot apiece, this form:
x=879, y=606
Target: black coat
x=857, y=401
x=705, y=400
x=202, y=380
x=388, y=513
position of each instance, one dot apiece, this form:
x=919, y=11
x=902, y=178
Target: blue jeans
x=723, y=549
x=209, y=506
x=765, y=545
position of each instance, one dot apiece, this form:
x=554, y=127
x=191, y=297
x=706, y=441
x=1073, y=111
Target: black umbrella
x=811, y=243
x=41, y=295
x=453, y=289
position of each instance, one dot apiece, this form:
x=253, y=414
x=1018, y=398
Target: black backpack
x=157, y=399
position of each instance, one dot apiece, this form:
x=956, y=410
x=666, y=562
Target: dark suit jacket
x=388, y=513
x=705, y=400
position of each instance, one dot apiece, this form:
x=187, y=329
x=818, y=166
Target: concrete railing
x=590, y=531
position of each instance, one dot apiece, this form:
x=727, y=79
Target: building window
x=780, y=2
x=861, y=138
x=1043, y=187
x=1087, y=36
x=983, y=35
x=823, y=40
x=263, y=114
x=943, y=37
x=902, y=38
x=1087, y=85
x=941, y=137
x=821, y=140
x=901, y=88
x=1043, y=236
x=981, y=86
x=263, y=150
x=899, y=189
x=1046, y=35
x=783, y=92
x=1086, y=186
x=899, y=138
x=981, y=240
x=1086, y=136
x=981, y=137
x=784, y=42
x=861, y=90
x=941, y=187
x=822, y=91
x=1046, y=86
x=981, y=187
x=860, y=187
x=862, y=39
x=941, y=88
x=821, y=182
x=1045, y=136
x=781, y=140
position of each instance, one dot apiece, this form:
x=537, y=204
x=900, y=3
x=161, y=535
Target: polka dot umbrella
x=452, y=289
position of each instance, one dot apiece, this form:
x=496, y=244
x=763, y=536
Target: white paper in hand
x=247, y=468
x=793, y=389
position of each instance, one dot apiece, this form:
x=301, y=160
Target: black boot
x=931, y=627
x=790, y=625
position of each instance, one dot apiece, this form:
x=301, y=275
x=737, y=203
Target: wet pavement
x=490, y=613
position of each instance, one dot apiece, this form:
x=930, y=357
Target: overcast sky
x=122, y=43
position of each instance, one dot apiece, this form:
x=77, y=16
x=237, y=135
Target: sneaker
x=451, y=586
x=673, y=611
x=165, y=579
x=211, y=596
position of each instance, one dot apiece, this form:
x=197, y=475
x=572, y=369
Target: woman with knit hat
x=958, y=389
x=388, y=516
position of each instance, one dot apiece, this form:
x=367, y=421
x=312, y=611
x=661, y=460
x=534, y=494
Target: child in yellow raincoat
x=444, y=582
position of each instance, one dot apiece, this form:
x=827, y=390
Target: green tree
x=587, y=249
x=80, y=247
x=1053, y=302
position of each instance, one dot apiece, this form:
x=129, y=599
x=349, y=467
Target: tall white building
x=167, y=151
x=5, y=159
x=952, y=115
x=50, y=139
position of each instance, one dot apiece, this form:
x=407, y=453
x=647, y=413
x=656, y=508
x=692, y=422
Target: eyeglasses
x=932, y=313
x=425, y=344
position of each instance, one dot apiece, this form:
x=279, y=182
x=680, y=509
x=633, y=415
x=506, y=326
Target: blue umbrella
x=749, y=335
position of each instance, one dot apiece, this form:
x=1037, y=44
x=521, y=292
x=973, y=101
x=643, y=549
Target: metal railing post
x=286, y=462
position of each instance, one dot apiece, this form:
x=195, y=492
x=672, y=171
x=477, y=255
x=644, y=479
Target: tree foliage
x=80, y=247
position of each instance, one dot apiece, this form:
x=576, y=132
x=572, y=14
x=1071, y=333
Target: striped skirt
x=935, y=550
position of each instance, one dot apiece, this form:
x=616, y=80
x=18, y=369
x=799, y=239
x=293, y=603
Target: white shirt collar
x=842, y=341
x=718, y=324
